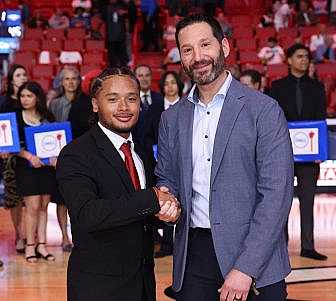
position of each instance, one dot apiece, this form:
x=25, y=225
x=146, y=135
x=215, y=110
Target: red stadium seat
x=26, y=59
x=93, y=58
x=56, y=45
x=232, y=58
x=76, y=33
x=55, y=33
x=45, y=83
x=241, y=20
x=246, y=44
x=258, y=67
x=265, y=32
x=246, y=57
x=326, y=70
x=43, y=71
x=93, y=45
x=73, y=45
x=84, y=69
x=307, y=32
x=33, y=34
x=242, y=32
x=277, y=71
x=30, y=45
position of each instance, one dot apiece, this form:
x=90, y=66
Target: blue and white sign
x=9, y=135
x=309, y=140
x=46, y=141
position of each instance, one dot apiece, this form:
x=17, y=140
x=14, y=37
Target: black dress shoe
x=313, y=255
x=1, y=264
x=160, y=254
x=169, y=292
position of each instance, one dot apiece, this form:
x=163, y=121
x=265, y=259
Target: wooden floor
x=46, y=281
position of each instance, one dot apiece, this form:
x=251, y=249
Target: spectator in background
x=320, y=7
x=272, y=53
x=131, y=19
x=38, y=21
x=86, y=4
x=332, y=11
x=116, y=33
x=59, y=20
x=251, y=78
x=172, y=57
x=305, y=15
x=51, y=96
x=321, y=45
x=73, y=106
x=36, y=181
x=25, y=13
x=302, y=98
x=148, y=97
x=235, y=71
x=80, y=19
x=312, y=71
x=282, y=12
x=266, y=20
x=149, y=10
x=17, y=76
x=227, y=29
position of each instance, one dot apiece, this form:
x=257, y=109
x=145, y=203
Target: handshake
x=170, y=206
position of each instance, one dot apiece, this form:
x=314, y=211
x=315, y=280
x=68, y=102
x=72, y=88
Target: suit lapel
x=230, y=111
x=112, y=156
x=185, y=126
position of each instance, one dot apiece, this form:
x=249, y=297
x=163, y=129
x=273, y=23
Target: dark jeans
x=203, y=277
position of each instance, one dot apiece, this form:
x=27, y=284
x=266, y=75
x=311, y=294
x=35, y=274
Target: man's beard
x=112, y=127
x=218, y=67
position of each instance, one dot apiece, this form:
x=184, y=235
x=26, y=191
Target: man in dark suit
x=107, y=184
x=148, y=97
x=302, y=98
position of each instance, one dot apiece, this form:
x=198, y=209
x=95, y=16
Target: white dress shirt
x=206, y=119
x=149, y=98
x=117, y=142
x=168, y=103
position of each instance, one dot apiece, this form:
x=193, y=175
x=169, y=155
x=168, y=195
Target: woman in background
x=17, y=76
x=35, y=180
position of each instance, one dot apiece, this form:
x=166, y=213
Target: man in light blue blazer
x=225, y=153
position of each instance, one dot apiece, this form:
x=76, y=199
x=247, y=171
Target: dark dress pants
x=307, y=175
x=203, y=277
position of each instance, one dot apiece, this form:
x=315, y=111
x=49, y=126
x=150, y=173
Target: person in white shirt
x=281, y=14
x=321, y=45
x=273, y=53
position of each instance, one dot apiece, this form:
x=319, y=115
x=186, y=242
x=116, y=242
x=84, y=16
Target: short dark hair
x=272, y=39
x=180, y=84
x=108, y=72
x=253, y=74
x=200, y=18
x=292, y=49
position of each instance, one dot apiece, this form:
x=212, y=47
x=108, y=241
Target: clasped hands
x=170, y=208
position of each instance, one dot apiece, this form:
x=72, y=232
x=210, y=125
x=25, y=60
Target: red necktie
x=130, y=166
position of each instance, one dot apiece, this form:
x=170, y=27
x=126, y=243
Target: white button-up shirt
x=206, y=119
x=117, y=142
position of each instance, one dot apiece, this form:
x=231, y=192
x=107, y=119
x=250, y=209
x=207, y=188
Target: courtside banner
x=46, y=141
x=309, y=140
x=9, y=135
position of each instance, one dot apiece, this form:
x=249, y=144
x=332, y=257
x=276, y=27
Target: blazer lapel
x=185, y=126
x=230, y=111
x=112, y=156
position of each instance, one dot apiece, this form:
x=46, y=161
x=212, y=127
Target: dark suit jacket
x=113, y=248
x=313, y=95
x=301, y=21
x=139, y=132
x=152, y=123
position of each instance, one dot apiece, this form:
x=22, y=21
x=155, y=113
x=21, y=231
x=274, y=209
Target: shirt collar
x=116, y=139
x=148, y=93
x=168, y=103
x=193, y=94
